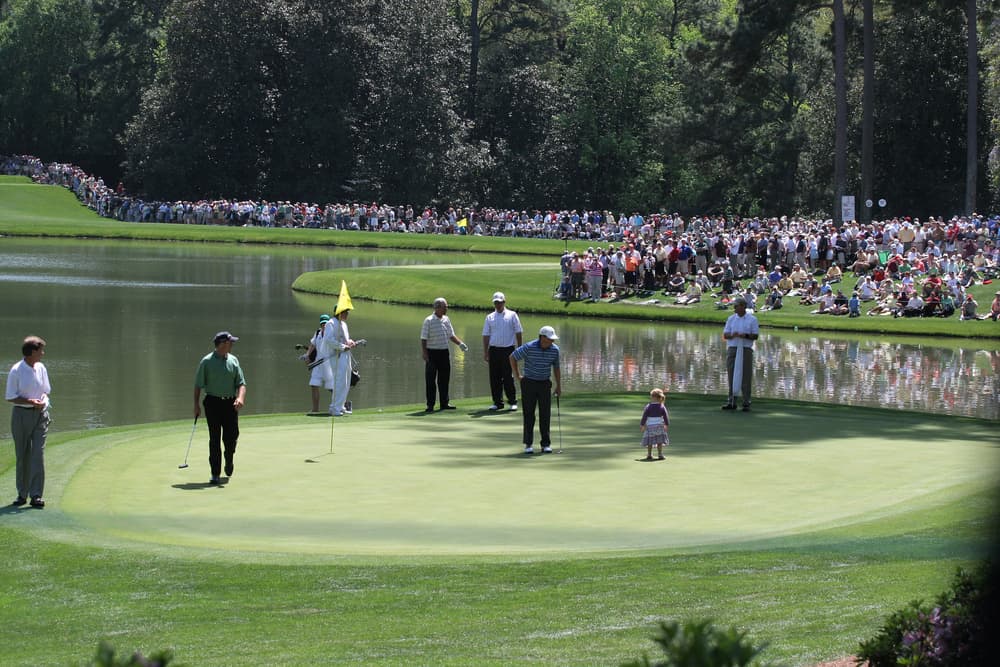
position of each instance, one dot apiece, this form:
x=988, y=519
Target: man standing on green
x=541, y=362
x=220, y=376
x=28, y=391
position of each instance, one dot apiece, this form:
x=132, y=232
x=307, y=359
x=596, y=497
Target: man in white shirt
x=740, y=332
x=28, y=390
x=501, y=335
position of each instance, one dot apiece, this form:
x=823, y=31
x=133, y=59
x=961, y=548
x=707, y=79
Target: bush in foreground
x=701, y=644
x=106, y=658
x=953, y=632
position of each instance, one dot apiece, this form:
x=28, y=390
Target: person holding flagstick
x=336, y=347
x=740, y=332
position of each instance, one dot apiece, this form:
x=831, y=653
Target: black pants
x=536, y=392
x=437, y=370
x=223, y=429
x=501, y=376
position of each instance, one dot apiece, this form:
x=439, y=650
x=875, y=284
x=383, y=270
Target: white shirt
x=741, y=325
x=27, y=381
x=502, y=328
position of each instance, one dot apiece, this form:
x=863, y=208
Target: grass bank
x=87, y=569
x=529, y=288
x=29, y=209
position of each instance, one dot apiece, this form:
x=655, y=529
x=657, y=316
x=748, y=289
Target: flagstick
x=332, y=419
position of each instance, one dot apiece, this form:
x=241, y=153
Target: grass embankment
x=529, y=288
x=804, y=525
x=27, y=209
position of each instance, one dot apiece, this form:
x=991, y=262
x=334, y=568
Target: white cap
x=498, y=296
x=548, y=332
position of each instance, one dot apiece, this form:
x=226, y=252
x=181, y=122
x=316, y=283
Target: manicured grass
x=529, y=288
x=802, y=524
x=28, y=209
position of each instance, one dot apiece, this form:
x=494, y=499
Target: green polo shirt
x=219, y=376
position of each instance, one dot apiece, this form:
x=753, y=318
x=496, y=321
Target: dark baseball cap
x=223, y=336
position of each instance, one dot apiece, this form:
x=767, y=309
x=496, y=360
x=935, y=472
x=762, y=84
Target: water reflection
x=848, y=371
x=126, y=323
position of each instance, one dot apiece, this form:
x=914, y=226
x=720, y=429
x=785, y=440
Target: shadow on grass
x=197, y=486
x=595, y=428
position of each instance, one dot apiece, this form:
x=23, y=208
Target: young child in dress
x=654, y=424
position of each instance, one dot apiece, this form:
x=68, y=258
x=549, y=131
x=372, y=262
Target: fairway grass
x=430, y=539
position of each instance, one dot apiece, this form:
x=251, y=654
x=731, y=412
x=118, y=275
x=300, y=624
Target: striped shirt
x=437, y=331
x=502, y=328
x=537, y=362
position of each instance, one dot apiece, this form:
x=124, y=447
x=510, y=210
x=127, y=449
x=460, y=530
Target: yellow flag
x=464, y=222
x=344, y=300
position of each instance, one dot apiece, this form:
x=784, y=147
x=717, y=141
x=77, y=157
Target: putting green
x=404, y=483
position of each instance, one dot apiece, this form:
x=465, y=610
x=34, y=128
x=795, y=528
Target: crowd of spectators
x=906, y=266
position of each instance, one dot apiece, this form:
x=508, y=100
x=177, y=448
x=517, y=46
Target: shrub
x=701, y=644
x=106, y=658
x=952, y=632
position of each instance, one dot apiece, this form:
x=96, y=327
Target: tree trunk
x=473, y=57
x=971, y=123
x=867, y=114
x=840, y=124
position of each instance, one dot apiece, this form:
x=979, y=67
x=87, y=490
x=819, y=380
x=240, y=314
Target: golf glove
x=463, y=347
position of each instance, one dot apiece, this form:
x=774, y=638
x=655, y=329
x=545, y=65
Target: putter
x=190, y=440
x=559, y=423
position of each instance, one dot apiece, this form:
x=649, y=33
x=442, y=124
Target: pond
x=127, y=322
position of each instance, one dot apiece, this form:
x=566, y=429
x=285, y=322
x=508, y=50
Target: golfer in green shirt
x=221, y=378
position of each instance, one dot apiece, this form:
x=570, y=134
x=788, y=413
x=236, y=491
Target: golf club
x=559, y=423
x=190, y=440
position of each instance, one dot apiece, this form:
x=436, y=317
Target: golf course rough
x=404, y=484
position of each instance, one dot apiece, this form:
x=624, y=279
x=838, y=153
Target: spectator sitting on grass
x=932, y=303
x=703, y=282
x=715, y=273
x=834, y=274
x=785, y=285
x=914, y=307
x=810, y=293
x=995, y=308
x=885, y=306
x=854, y=305
x=969, y=307
x=947, y=305
x=798, y=277
x=773, y=301
x=692, y=295
x=676, y=283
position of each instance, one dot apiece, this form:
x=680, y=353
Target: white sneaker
x=513, y=407
x=546, y=450
x=529, y=450
x=494, y=407
x=334, y=413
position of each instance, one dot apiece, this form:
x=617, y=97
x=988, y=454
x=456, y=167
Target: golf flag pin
x=464, y=222
x=344, y=300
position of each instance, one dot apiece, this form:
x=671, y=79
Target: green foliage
x=953, y=632
x=42, y=92
x=106, y=658
x=701, y=644
x=720, y=106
